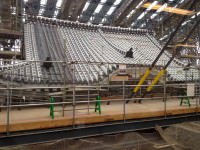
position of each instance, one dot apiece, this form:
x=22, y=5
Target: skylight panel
x=103, y=1
x=117, y=2
x=41, y=11
x=142, y=25
x=162, y=8
x=140, y=4
x=110, y=10
x=154, y=15
x=55, y=13
x=103, y=20
x=141, y=16
x=133, y=24
x=159, y=10
x=195, y=15
x=86, y=6
x=133, y=11
x=99, y=7
x=152, y=5
x=43, y=2
x=164, y=37
x=25, y=1
x=59, y=3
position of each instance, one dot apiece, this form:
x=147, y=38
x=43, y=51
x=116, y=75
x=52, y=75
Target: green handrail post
x=184, y=96
x=52, y=107
x=98, y=104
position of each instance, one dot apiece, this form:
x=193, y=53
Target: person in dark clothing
x=129, y=53
x=47, y=64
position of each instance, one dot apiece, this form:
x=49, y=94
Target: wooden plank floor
x=38, y=118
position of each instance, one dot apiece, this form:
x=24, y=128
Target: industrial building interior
x=100, y=74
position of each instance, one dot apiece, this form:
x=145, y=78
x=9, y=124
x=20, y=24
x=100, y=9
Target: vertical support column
x=98, y=104
x=124, y=103
x=52, y=107
x=164, y=95
x=108, y=102
x=74, y=98
x=64, y=90
x=9, y=99
x=17, y=15
x=99, y=74
x=8, y=111
x=198, y=101
x=89, y=89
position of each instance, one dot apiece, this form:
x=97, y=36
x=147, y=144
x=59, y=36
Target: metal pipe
x=64, y=92
x=165, y=98
x=161, y=52
x=124, y=104
x=74, y=98
x=76, y=86
x=94, y=101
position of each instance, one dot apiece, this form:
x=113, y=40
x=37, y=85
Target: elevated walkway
x=38, y=118
x=35, y=125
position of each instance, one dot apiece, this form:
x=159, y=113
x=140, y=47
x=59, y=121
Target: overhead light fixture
x=169, y=9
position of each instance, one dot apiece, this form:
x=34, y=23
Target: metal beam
x=93, y=130
x=122, y=11
x=79, y=9
x=161, y=52
x=176, y=50
x=65, y=13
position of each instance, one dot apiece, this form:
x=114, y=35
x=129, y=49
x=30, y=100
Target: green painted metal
x=98, y=104
x=186, y=98
x=52, y=107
